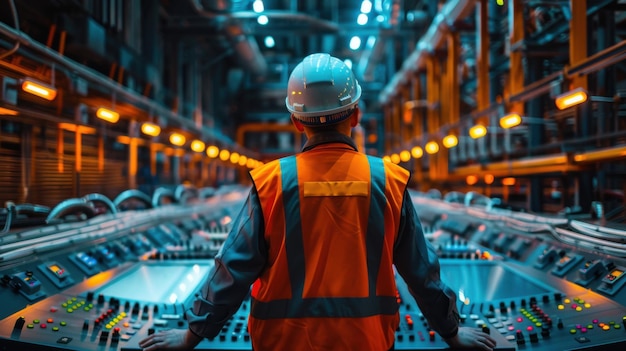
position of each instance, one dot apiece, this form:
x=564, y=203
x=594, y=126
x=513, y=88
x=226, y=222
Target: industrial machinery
x=107, y=281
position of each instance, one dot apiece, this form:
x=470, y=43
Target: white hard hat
x=322, y=90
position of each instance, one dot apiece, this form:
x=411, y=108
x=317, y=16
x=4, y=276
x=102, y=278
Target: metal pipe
x=102, y=80
x=432, y=40
x=17, y=27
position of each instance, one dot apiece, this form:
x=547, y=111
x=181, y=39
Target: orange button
x=50, y=320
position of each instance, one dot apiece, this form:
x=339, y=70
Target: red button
x=43, y=325
x=53, y=309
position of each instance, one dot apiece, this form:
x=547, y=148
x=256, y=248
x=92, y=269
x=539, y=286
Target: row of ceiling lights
x=49, y=93
x=563, y=101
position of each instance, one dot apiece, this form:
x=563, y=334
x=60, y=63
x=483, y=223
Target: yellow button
x=561, y=307
x=587, y=305
x=567, y=300
x=578, y=309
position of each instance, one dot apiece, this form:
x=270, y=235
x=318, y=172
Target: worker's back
x=331, y=218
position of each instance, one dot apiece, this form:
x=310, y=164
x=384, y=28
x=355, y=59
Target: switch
x=19, y=323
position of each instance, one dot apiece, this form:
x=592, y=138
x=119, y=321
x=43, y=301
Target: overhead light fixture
x=197, y=145
x=150, y=129
x=387, y=158
x=7, y=112
x=432, y=147
x=571, y=98
x=243, y=160
x=478, y=131
x=511, y=120
x=39, y=89
x=212, y=151
x=417, y=152
x=177, y=139
x=450, y=141
x=107, y=115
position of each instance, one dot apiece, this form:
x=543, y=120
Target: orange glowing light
x=489, y=178
x=450, y=141
x=417, y=152
x=212, y=151
x=405, y=156
x=571, y=98
x=471, y=179
x=197, y=145
x=511, y=120
x=509, y=181
x=478, y=131
x=177, y=139
x=107, y=115
x=150, y=129
x=39, y=89
x=432, y=147
x=224, y=155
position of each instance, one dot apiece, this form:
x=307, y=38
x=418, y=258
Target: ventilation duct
x=433, y=39
x=246, y=48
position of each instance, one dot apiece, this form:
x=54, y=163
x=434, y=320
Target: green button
x=572, y=331
x=55, y=328
x=36, y=321
x=30, y=326
x=63, y=324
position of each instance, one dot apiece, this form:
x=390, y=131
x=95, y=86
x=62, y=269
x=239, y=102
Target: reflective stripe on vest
x=297, y=306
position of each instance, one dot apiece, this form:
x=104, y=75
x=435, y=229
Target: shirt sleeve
x=417, y=263
x=237, y=266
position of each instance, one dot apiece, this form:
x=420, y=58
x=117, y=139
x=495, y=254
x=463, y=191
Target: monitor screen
x=481, y=281
x=167, y=282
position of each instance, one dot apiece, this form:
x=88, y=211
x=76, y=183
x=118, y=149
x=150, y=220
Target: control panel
x=108, y=283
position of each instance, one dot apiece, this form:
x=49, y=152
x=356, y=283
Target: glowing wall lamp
x=212, y=151
x=478, y=131
x=39, y=89
x=450, y=140
x=511, y=120
x=224, y=155
x=489, y=178
x=432, y=147
x=471, y=179
x=251, y=162
x=571, y=98
x=243, y=160
x=395, y=158
x=417, y=152
x=405, y=156
x=177, y=139
x=197, y=145
x=150, y=129
x=234, y=157
x=107, y=115
x=508, y=181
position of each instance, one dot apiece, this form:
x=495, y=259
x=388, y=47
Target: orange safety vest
x=331, y=221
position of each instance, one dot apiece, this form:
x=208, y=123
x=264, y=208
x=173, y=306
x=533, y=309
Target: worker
x=318, y=238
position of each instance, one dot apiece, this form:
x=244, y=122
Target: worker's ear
x=355, y=117
x=297, y=123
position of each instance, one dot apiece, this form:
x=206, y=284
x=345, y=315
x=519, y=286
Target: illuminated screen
x=481, y=281
x=158, y=283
